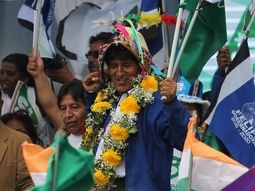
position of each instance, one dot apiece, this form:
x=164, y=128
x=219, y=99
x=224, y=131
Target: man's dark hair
x=105, y=37
x=119, y=52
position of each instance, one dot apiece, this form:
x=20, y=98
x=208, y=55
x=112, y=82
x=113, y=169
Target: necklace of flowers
x=123, y=124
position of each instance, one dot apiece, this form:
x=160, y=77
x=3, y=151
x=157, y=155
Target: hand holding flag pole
x=36, y=28
x=174, y=45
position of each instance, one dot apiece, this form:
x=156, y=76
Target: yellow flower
x=100, y=97
x=89, y=131
x=112, y=158
x=100, y=178
x=118, y=133
x=101, y=105
x=150, y=84
x=129, y=105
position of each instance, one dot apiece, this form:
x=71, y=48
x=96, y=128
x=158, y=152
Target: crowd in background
x=41, y=114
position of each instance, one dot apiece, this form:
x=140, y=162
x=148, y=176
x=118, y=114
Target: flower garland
x=122, y=125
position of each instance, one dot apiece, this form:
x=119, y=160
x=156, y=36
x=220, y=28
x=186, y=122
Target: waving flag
x=26, y=19
x=207, y=36
x=75, y=167
x=37, y=160
x=204, y=168
x=232, y=119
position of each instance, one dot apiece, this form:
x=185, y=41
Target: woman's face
x=73, y=114
x=9, y=75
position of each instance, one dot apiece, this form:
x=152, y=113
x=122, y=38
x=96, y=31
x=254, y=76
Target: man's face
x=73, y=114
x=92, y=56
x=121, y=73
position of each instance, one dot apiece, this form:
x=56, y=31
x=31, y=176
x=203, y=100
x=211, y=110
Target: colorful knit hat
x=132, y=40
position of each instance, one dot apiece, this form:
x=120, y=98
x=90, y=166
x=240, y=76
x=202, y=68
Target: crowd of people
x=116, y=112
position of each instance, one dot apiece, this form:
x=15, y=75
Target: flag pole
x=165, y=34
x=174, y=44
x=55, y=169
x=36, y=29
x=249, y=25
x=175, y=40
x=186, y=37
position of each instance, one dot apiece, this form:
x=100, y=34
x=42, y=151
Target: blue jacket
x=148, y=155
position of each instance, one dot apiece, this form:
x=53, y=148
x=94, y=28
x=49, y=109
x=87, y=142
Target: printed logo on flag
x=244, y=122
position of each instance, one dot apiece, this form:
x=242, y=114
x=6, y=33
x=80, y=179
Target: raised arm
x=45, y=94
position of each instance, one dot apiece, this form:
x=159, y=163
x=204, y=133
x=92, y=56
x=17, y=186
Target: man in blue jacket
x=144, y=162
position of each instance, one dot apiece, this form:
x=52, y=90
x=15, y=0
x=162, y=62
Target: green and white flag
x=248, y=14
x=20, y=100
x=176, y=159
x=74, y=167
x=207, y=36
x=237, y=37
x=24, y=98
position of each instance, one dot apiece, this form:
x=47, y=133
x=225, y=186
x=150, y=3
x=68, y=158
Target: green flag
x=236, y=39
x=75, y=169
x=206, y=38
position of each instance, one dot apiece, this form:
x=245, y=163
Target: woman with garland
x=130, y=129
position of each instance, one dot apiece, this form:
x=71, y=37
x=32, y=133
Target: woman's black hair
x=73, y=88
x=23, y=117
x=20, y=61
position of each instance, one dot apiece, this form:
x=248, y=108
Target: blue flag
x=232, y=119
x=26, y=19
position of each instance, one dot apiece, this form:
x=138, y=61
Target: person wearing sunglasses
x=94, y=46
